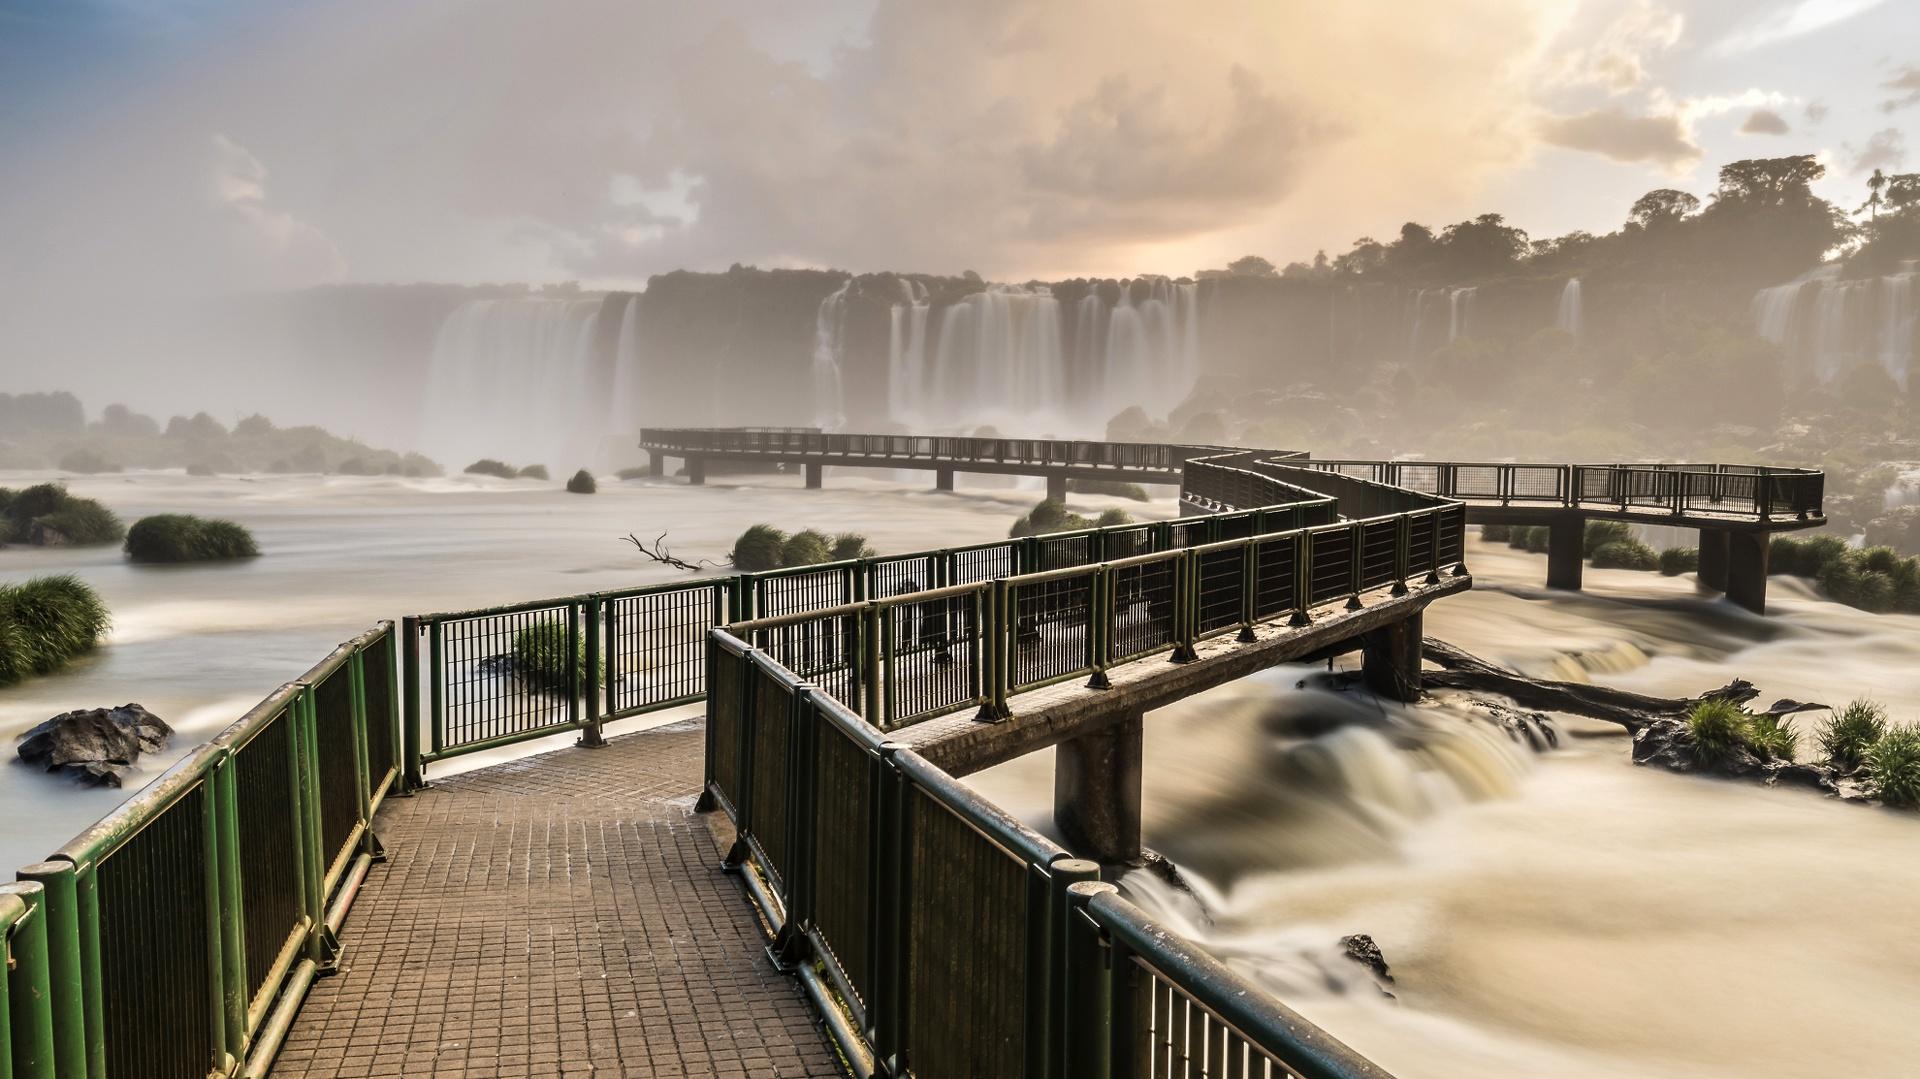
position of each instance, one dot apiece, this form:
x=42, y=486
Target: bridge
x=1735, y=508
x=297, y=898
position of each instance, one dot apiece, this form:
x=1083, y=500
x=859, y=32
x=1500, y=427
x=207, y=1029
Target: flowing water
x=1572, y=315
x=1555, y=913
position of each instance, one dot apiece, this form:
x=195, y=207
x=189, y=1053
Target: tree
x=1367, y=256
x=1484, y=246
x=1662, y=206
x=1251, y=266
x=1770, y=181
x=1875, y=184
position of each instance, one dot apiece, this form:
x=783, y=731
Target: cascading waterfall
x=907, y=349
x=829, y=342
x=1826, y=324
x=1459, y=312
x=628, y=374
x=1572, y=318
x=1423, y=314
x=1151, y=348
x=998, y=357
x=518, y=380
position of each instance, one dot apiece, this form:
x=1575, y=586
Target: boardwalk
x=562, y=915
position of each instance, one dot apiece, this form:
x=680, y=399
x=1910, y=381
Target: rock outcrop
x=97, y=746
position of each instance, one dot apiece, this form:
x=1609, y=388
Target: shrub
x=357, y=466
x=1113, y=518
x=1804, y=558
x=1893, y=767
x=540, y=658
x=1539, y=538
x=487, y=466
x=1117, y=488
x=806, y=548
x=1717, y=728
x=1846, y=737
x=182, y=537
x=1601, y=533
x=87, y=461
x=758, y=548
x=1677, y=560
x=201, y=468
x=534, y=472
x=46, y=514
x=1773, y=736
x=1496, y=533
x=1050, y=515
x=582, y=483
x=45, y=622
x=1625, y=554
x=851, y=545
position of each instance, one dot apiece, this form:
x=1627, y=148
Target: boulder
x=1360, y=948
x=96, y=746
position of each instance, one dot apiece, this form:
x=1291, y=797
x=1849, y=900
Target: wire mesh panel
x=1051, y=624
x=655, y=646
x=843, y=857
x=508, y=673
x=1451, y=534
x=1476, y=481
x=1537, y=483
x=1141, y=608
x=823, y=650
x=726, y=700
x=887, y=577
x=1235, y=525
x=807, y=590
x=1594, y=484
x=382, y=711
x=771, y=732
x=932, y=658
x=336, y=767
x=1068, y=551
x=1275, y=592
x=266, y=782
x=1220, y=586
x=1125, y=542
x=973, y=565
x=967, y=948
x=1175, y=1037
x=1647, y=487
x=1332, y=569
x=156, y=989
x=1417, y=476
x=1187, y=532
x=1379, y=552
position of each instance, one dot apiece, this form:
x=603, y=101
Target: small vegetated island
x=46, y=515
x=181, y=537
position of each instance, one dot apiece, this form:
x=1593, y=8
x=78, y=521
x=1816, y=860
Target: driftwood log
x=1463, y=670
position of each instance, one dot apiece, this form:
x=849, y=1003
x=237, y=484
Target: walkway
x=563, y=914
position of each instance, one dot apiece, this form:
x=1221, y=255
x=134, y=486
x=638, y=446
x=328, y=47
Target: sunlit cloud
x=1792, y=20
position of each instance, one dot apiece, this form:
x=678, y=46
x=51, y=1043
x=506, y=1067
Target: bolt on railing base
x=1099, y=681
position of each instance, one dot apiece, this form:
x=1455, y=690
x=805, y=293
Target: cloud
x=1622, y=136
x=1791, y=20
x=1764, y=122
x=1885, y=149
x=1618, y=57
x=1815, y=111
x=1907, y=90
x=274, y=249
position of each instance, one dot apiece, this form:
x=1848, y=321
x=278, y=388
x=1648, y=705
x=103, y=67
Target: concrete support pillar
x=943, y=479
x=1390, y=659
x=656, y=465
x=696, y=470
x=1566, y=543
x=813, y=477
x=1057, y=488
x=1713, y=558
x=1747, y=569
x=1096, y=792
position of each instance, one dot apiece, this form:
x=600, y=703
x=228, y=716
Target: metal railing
x=1752, y=491
x=940, y=937
x=956, y=450
x=177, y=936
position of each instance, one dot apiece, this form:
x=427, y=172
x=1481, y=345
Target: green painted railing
x=176, y=937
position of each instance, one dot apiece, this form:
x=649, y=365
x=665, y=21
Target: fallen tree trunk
x=1463, y=670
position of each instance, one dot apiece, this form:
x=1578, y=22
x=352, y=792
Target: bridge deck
x=562, y=914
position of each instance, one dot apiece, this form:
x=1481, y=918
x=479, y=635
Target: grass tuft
x=1625, y=554
x=582, y=483
x=759, y=548
x=1717, y=728
x=1846, y=737
x=1893, y=767
x=182, y=537
x=45, y=622
x=808, y=547
x=1677, y=560
x=540, y=657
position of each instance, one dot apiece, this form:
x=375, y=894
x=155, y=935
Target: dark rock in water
x=1361, y=949
x=97, y=746
x=1666, y=744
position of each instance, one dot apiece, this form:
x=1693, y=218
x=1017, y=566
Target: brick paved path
x=558, y=915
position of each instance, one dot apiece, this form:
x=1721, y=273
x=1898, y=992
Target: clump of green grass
x=1773, y=736
x=487, y=466
x=1677, y=560
x=1625, y=554
x=45, y=622
x=1496, y=533
x=182, y=537
x=850, y=545
x=582, y=483
x=1846, y=737
x=1717, y=728
x=1113, y=518
x=534, y=472
x=807, y=547
x=1893, y=767
x=759, y=548
x=46, y=515
x=1601, y=533
x=541, y=658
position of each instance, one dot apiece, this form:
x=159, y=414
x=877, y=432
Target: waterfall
x=628, y=375
x=1459, y=312
x=829, y=333
x=998, y=357
x=1572, y=318
x=1826, y=325
x=907, y=350
x=517, y=380
x=1152, y=348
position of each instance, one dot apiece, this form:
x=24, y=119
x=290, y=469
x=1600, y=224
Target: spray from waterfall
x=519, y=380
x=829, y=345
x=1572, y=317
x=1827, y=325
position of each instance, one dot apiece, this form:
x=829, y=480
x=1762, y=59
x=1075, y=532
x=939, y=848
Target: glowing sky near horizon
x=207, y=146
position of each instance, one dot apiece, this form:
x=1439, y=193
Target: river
x=1561, y=913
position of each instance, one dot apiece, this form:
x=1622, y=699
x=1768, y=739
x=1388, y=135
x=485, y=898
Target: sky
x=198, y=147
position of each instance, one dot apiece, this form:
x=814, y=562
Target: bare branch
x=660, y=553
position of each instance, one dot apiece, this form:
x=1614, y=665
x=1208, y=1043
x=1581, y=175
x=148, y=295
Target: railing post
x=1434, y=518
x=1764, y=496
x=893, y=896
x=1402, y=552
x=1249, y=585
x=23, y=963
x=1302, y=578
x=1064, y=872
x=229, y=899
x=1099, y=622
x=1186, y=597
x=436, y=687
x=802, y=724
x=875, y=690
x=356, y=673
x=1356, y=561
x=411, y=778
x=1089, y=1005
x=61, y=906
x=210, y=881
x=594, y=674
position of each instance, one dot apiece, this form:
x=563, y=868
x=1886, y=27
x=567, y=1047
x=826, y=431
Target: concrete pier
x=1566, y=551
x=1096, y=792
